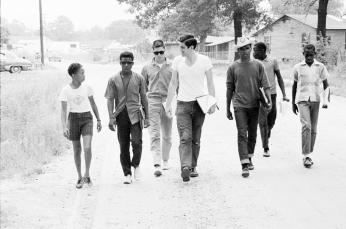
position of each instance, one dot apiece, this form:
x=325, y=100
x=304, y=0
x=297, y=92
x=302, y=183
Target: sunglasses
x=126, y=62
x=159, y=52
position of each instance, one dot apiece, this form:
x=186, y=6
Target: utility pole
x=41, y=32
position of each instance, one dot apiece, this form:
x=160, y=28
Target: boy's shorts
x=80, y=124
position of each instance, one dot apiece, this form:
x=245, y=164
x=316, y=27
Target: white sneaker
x=128, y=179
x=165, y=165
x=158, y=171
x=137, y=173
x=266, y=153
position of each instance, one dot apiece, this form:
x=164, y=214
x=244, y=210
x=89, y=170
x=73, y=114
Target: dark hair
x=310, y=47
x=74, y=68
x=158, y=43
x=188, y=40
x=261, y=45
x=126, y=54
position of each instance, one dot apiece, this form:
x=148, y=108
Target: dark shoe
x=250, y=165
x=245, y=170
x=80, y=183
x=193, y=172
x=266, y=153
x=157, y=172
x=185, y=174
x=307, y=162
x=87, y=181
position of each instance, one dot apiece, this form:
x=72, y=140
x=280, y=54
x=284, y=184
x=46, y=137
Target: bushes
x=30, y=120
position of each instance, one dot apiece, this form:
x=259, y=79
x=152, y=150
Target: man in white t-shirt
x=189, y=73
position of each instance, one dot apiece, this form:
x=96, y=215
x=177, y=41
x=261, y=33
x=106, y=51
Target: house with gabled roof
x=286, y=36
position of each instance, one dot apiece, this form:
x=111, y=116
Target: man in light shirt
x=157, y=75
x=190, y=70
x=308, y=76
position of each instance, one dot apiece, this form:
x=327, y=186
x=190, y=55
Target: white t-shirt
x=77, y=99
x=191, y=78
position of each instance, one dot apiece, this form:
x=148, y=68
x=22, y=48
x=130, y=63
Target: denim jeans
x=266, y=122
x=308, y=117
x=160, y=123
x=246, y=120
x=190, y=119
x=125, y=131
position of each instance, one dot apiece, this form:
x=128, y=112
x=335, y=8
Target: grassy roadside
x=30, y=120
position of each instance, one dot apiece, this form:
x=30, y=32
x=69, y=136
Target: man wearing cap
x=266, y=118
x=308, y=76
x=244, y=77
x=126, y=99
x=190, y=70
x=157, y=75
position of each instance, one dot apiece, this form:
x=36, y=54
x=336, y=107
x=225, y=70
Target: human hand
x=111, y=124
x=269, y=107
x=285, y=98
x=295, y=108
x=229, y=115
x=168, y=110
x=212, y=109
x=99, y=126
x=325, y=106
x=66, y=132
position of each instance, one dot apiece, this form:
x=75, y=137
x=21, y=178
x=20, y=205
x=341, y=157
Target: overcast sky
x=83, y=13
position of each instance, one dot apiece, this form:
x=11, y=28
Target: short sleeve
x=324, y=73
x=175, y=63
x=207, y=64
x=110, y=90
x=276, y=65
x=295, y=73
x=63, y=95
x=90, y=91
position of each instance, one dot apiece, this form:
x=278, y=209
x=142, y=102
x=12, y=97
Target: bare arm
x=94, y=108
x=210, y=82
x=173, y=85
x=63, y=118
x=294, y=92
x=110, y=107
x=229, y=94
x=281, y=84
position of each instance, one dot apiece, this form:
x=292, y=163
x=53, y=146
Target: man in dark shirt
x=244, y=77
x=127, y=107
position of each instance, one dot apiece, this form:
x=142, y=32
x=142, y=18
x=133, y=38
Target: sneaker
x=250, y=165
x=185, y=174
x=137, y=173
x=266, y=153
x=87, y=181
x=128, y=179
x=307, y=162
x=193, y=172
x=157, y=170
x=80, y=183
x=245, y=170
x=165, y=165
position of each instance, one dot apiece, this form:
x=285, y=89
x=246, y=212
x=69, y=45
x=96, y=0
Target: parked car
x=54, y=58
x=12, y=63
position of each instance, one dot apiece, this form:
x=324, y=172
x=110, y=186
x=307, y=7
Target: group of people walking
x=137, y=101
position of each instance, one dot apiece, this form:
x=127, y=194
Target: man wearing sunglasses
x=244, y=77
x=157, y=75
x=126, y=99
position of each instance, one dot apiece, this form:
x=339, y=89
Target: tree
x=124, y=31
x=4, y=35
x=61, y=29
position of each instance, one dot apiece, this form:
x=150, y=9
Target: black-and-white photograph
x=173, y=114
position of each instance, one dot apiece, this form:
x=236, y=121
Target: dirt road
x=280, y=192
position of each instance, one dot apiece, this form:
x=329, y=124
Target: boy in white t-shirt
x=79, y=98
x=190, y=70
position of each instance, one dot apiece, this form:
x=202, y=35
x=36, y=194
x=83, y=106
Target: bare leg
x=77, y=148
x=87, y=153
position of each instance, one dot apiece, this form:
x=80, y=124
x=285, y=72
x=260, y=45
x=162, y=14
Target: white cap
x=243, y=41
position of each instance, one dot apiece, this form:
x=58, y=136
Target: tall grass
x=30, y=120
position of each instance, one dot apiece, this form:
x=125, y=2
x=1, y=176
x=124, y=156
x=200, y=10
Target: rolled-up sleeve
x=110, y=90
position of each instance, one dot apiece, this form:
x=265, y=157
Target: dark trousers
x=190, y=119
x=266, y=122
x=125, y=131
x=246, y=120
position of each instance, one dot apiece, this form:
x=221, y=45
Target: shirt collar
x=317, y=63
